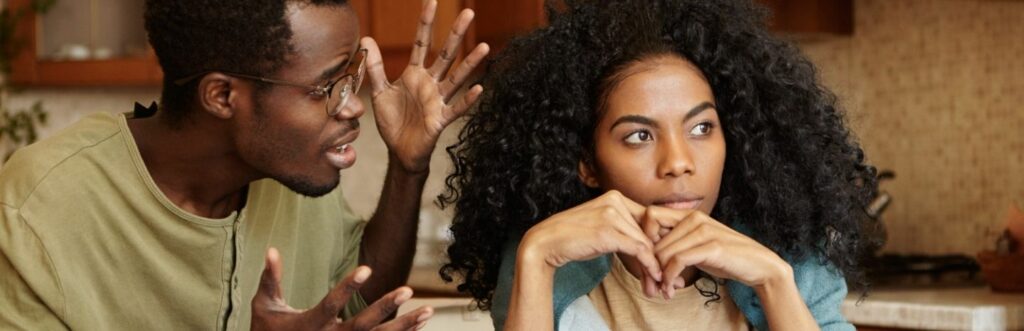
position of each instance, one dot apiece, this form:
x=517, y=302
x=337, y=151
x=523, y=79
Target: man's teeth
x=342, y=148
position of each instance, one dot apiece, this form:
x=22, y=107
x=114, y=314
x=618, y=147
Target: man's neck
x=195, y=166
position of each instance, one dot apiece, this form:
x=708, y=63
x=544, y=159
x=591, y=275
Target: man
x=221, y=209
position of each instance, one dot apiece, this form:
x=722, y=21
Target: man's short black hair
x=193, y=36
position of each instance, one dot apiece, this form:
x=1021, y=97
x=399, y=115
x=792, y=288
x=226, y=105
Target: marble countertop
x=975, y=308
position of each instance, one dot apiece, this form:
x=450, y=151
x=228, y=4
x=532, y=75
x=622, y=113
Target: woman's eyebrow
x=697, y=110
x=634, y=119
x=650, y=122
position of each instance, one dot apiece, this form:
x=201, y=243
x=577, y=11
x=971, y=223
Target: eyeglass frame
x=325, y=90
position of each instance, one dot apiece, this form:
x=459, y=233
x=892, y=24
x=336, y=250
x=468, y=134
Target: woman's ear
x=587, y=174
x=217, y=94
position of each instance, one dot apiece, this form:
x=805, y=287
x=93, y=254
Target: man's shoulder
x=34, y=164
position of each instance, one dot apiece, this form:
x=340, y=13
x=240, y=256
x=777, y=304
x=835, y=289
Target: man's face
x=288, y=135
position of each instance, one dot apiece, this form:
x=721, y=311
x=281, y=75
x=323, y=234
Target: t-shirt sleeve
x=29, y=287
x=351, y=237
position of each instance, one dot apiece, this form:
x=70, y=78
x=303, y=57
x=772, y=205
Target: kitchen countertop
x=962, y=308
x=426, y=282
x=974, y=308
x=451, y=314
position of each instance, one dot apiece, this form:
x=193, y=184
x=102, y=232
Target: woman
x=678, y=135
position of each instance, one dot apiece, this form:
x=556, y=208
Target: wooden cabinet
x=99, y=62
x=810, y=19
x=498, y=21
x=392, y=23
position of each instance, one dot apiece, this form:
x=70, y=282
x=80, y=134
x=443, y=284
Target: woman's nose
x=674, y=159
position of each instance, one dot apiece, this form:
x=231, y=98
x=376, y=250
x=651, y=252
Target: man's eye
x=638, y=137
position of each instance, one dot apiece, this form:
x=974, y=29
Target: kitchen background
x=934, y=89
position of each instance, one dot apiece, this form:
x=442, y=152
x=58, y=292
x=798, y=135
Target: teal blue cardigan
x=821, y=286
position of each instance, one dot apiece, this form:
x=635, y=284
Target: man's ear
x=587, y=174
x=218, y=94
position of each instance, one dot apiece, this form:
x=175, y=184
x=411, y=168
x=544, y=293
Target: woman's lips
x=681, y=201
x=686, y=204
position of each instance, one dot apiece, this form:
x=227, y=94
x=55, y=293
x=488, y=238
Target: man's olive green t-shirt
x=88, y=242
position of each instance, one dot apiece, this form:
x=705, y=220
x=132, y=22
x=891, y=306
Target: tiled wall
x=935, y=91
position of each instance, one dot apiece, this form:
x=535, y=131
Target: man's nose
x=352, y=109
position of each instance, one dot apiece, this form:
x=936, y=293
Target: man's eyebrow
x=333, y=71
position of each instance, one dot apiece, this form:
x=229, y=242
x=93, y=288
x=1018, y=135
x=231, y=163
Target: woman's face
x=659, y=141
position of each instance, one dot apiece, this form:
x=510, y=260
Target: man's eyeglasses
x=336, y=98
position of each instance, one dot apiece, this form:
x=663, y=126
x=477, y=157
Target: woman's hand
x=686, y=238
x=412, y=111
x=607, y=224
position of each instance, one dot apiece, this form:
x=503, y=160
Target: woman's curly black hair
x=794, y=176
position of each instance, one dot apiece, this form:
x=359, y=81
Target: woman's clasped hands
x=658, y=245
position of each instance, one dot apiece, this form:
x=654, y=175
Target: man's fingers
x=270, y=281
x=451, y=84
x=451, y=46
x=375, y=65
x=381, y=309
x=422, y=43
x=460, y=107
x=329, y=308
x=410, y=321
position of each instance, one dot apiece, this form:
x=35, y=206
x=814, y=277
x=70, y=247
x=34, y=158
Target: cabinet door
x=73, y=46
x=500, y=21
x=393, y=25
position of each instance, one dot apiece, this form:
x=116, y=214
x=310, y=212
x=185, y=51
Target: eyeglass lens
x=346, y=87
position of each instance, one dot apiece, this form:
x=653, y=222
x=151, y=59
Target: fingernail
x=423, y=317
x=402, y=297
x=361, y=275
x=421, y=325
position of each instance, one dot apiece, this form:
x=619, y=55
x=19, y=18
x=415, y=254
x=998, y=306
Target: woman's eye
x=638, y=137
x=702, y=129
